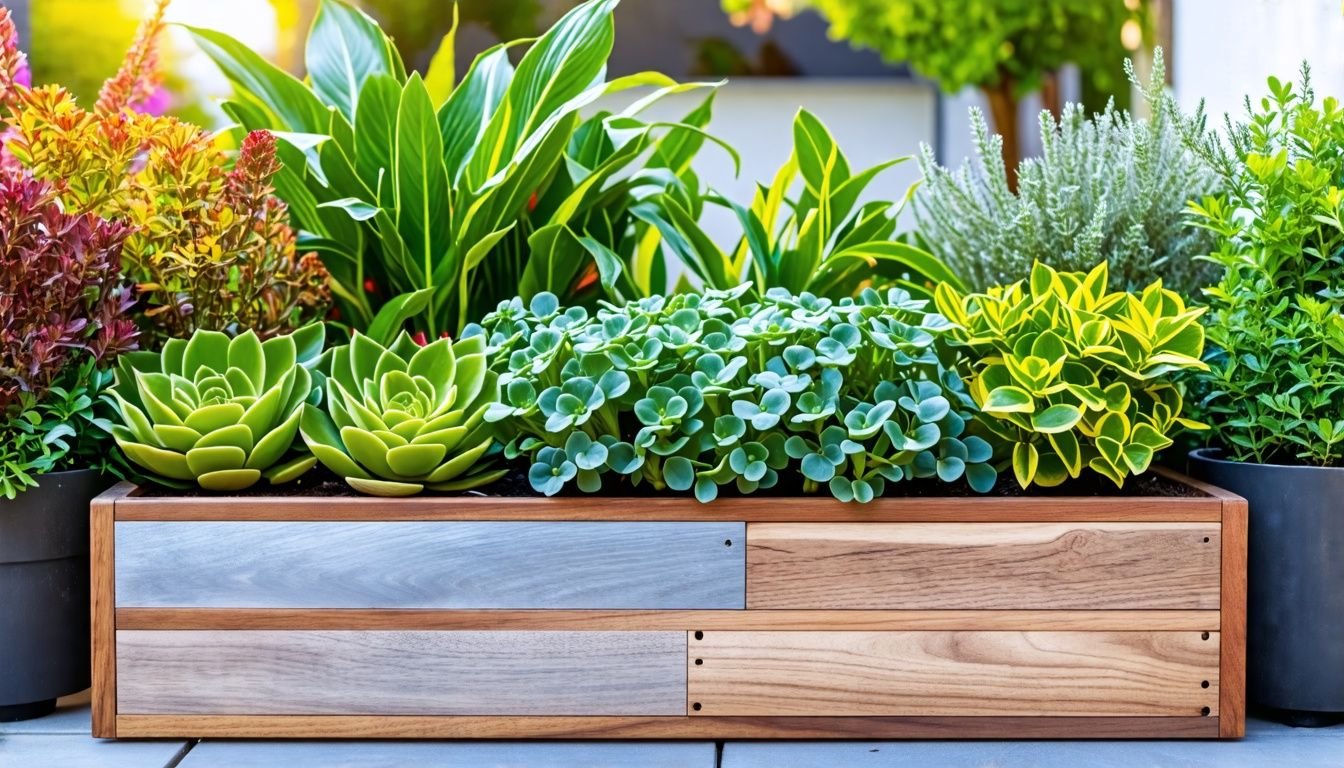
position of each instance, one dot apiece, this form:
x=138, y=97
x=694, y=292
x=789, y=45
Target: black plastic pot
x=44, y=593
x=1295, y=600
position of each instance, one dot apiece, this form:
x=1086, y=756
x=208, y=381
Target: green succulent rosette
x=403, y=418
x=216, y=412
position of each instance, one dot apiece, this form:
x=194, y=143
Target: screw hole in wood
x=698, y=662
x=729, y=542
x=1205, y=711
x=1204, y=684
x=701, y=635
x=1204, y=636
x=696, y=707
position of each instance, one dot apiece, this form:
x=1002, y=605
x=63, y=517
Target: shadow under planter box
x=479, y=617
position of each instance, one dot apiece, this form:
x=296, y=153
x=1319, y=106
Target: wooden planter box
x=664, y=618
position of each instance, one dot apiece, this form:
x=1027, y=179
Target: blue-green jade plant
x=216, y=412
x=703, y=391
x=403, y=418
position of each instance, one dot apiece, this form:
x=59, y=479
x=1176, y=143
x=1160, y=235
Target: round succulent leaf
x=470, y=481
x=817, y=468
x=981, y=477
x=544, y=305
x=245, y=355
x=950, y=469
x=291, y=470
x=933, y=409
x=623, y=459
x=212, y=417
x=842, y=489
x=236, y=435
x=589, y=480
x=175, y=438
x=385, y=488
x=157, y=461
x=229, y=479
x=415, y=460
x=275, y=443
x=463, y=461
x=264, y=413
x=706, y=490
x=978, y=450
x=156, y=395
x=215, y=458
x=679, y=473
x=205, y=349
x=367, y=449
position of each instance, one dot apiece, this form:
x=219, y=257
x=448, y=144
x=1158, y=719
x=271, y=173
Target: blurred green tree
x=1006, y=48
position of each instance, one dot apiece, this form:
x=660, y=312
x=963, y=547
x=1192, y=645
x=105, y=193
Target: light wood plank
x=422, y=727
x=929, y=566
x=1232, y=703
x=102, y=610
x=614, y=509
x=1059, y=674
x=519, y=565
x=280, y=618
x=401, y=673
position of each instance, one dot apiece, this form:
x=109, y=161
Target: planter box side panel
x=401, y=673
x=444, y=565
x=937, y=566
x=1044, y=674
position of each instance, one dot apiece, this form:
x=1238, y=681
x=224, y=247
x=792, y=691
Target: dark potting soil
x=321, y=483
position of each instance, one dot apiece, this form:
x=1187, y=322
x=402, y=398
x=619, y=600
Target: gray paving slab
x=386, y=754
x=1266, y=745
x=71, y=717
x=27, y=750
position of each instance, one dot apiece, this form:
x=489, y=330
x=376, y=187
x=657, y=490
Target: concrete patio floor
x=61, y=740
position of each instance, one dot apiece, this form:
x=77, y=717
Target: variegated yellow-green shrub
x=217, y=412
x=403, y=418
x=1069, y=375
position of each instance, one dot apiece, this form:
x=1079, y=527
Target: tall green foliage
x=808, y=230
x=1275, y=389
x=432, y=199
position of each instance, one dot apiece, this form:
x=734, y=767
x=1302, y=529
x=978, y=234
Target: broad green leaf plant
x=431, y=202
x=1070, y=376
x=1274, y=391
x=399, y=419
x=216, y=412
x=808, y=231
x=713, y=390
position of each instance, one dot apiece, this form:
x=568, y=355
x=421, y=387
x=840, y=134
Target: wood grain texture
x=422, y=727
x=103, y=610
x=449, y=565
x=272, y=618
x=1047, y=674
x=928, y=566
x=401, y=673
x=748, y=509
x=1232, y=703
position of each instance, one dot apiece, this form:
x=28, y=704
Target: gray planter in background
x=44, y=593
x=1295, y=599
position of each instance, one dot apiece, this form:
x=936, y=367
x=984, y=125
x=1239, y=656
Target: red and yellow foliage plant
x=208, y=248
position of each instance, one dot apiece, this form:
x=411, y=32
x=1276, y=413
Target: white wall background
x=1224, y=49
x=873, y=120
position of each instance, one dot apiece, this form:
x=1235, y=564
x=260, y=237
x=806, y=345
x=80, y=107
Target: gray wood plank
x=520, y=565
x=401, y=673
x=375, y=754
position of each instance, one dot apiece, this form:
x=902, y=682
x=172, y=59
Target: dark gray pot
x=44, y=593
x=1295, y=579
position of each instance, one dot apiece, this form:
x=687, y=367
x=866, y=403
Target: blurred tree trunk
x=1003, y=119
